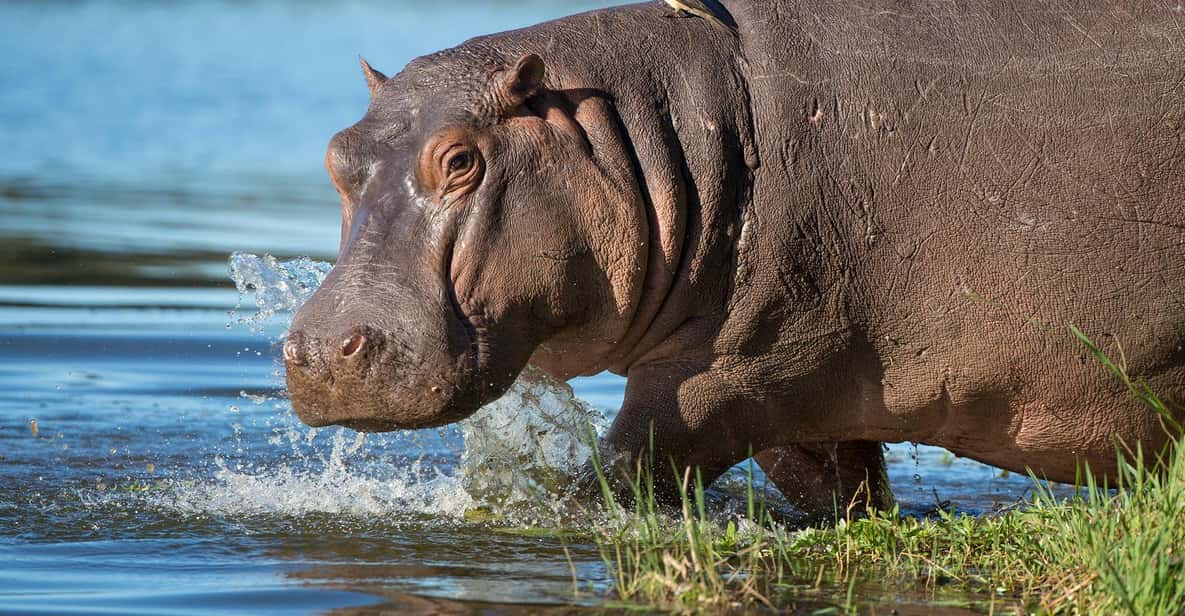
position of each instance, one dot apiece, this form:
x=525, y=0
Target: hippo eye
x=450, y=165
x=460, y=162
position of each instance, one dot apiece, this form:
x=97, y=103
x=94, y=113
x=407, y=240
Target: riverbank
x=1103, y=550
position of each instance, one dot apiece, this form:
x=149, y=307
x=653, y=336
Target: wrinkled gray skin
x=850, y=223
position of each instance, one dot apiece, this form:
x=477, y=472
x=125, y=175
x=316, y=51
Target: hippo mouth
x=472, y=333
x=368, y=425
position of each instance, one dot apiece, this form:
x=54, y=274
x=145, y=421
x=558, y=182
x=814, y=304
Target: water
x=149, y=462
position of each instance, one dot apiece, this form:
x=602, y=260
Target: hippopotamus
x=836, y=225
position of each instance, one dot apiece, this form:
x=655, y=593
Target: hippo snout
x=353, y=354
x=342, y=366
x=363, y=377
x=353, y=348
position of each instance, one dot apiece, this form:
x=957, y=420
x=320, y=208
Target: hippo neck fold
x=678, y=106
x=690, y=130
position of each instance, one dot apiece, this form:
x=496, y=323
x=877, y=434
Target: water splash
x=516, y=462
x=527, y=447
x=305, y=483
x=277, y=286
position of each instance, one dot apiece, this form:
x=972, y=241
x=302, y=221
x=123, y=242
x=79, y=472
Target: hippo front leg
x=823, y=479
x=679, y=417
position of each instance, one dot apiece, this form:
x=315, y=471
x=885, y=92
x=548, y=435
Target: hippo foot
x=829, y=481
x=620, y=475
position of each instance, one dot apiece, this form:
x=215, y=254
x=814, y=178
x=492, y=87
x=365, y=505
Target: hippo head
x=487, y=221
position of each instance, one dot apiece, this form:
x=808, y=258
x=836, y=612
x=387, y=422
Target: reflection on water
x=100, y=233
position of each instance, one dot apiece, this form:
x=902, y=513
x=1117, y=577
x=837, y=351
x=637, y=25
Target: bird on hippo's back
x=708, y=10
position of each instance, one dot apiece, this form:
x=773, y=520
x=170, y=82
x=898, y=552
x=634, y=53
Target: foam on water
x=518, y=460
x=297, y=486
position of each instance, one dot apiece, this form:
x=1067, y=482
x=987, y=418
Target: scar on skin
x=816, y=115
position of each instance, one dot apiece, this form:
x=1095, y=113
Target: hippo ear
x=374, y=79
x=518, y=83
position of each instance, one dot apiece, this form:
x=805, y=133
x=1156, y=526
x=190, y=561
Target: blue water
x=149, y=462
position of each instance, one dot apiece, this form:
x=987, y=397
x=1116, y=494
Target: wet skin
x=835, y=228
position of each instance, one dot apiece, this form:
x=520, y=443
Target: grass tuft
x=1107, y=549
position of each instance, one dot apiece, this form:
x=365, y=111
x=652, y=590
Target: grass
x=1104, y=550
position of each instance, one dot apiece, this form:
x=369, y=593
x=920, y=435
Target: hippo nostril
x=294, y=350
x=353, y=345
